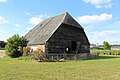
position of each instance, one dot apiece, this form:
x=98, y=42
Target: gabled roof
x=44, y=30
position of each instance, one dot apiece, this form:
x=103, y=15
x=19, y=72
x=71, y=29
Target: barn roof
x=44, y=30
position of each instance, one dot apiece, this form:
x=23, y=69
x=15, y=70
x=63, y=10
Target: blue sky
x=99, y=18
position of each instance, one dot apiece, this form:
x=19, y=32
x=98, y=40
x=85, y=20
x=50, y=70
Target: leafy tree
x=106, y=45
x=15, y=44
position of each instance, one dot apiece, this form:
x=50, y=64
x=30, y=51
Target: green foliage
x=106, y=52
x=14, y=46
x=106, y=45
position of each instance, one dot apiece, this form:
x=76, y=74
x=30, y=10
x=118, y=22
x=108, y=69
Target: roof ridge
x=64, y=16
x=73, y=22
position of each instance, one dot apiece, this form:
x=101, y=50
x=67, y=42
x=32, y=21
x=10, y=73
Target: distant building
x=93, y=46
x=116, y=47
x=96, y=46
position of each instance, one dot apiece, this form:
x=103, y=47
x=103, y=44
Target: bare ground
x=2, y=53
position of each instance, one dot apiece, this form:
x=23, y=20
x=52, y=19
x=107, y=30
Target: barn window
x=73, y=45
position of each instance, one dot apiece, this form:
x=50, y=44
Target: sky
x=99, y=18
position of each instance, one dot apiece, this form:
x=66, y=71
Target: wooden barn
x=59, y=36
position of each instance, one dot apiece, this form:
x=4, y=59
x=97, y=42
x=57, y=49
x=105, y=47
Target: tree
x=15, y=44
x=106, y=45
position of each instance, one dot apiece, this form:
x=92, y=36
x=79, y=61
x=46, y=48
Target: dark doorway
x=73, y=45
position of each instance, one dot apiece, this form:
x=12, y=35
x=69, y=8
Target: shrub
x=26, y=51
x=106, y=52
x=14, y=46
x=39, y=55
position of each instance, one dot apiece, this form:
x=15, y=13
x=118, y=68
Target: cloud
x=27, y=13
x=3, y=0
x=117, y=23
x=100, y=3
x=17, y=25
x=37, y=19
x=106, y=33
x=111, y=36
x=3, y=20
x=94, y=18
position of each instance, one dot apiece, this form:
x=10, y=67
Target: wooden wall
x=65, y=38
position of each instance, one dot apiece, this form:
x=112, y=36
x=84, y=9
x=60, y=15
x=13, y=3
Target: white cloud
x=27, y=13
x=37, y=19
x=104, y=34
x=111, y=36
x=100, y=3
x=3, y=20
x=94, y=18
x=17, y=25
x=3, y=0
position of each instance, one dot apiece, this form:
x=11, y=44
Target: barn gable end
x=59, y=35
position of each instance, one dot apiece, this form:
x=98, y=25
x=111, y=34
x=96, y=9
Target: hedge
x=106, y=52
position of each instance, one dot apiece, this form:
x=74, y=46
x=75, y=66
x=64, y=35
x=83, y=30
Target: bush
x=15, y=46
x=39, y=55
x=106, y=52
x=29, y=54
x=26, y=51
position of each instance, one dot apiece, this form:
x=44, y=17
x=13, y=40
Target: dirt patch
x=2, y=53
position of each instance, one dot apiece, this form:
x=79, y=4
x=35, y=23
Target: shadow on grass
x=105, y=57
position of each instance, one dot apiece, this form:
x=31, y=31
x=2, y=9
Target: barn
x=59, y=37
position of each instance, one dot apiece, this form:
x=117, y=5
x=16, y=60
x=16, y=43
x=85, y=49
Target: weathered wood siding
x=66, y=38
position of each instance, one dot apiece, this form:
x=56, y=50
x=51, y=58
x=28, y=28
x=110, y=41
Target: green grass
x=101, y=68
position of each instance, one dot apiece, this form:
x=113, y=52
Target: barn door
x=73, y=45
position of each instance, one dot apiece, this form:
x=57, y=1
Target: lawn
x=102, y=68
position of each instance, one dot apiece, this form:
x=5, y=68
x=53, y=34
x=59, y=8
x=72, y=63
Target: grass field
x=102, y=68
